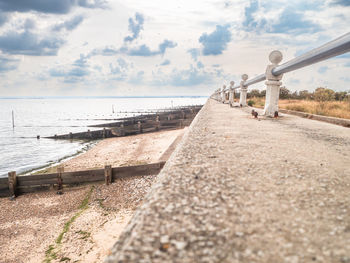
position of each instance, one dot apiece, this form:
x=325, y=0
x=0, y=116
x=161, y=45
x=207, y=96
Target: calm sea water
x=21, y=151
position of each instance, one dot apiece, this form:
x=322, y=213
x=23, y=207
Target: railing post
x=223, y=94
x=231, y=98
x=273, y=84
x=243, y=93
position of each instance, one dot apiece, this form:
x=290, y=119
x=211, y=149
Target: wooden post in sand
x=157, y=123
x=60, y=171
x=12, y=179
x=122, y=130
x=139, y=126
x=108, y=174
x=13, y=120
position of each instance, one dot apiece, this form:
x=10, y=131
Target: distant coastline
x=95, y=97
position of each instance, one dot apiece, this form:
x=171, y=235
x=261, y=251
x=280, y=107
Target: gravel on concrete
x=239, y=189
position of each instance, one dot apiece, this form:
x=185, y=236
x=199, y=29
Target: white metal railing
x=274, y=73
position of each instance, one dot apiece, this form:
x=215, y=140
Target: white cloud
x=140, y=47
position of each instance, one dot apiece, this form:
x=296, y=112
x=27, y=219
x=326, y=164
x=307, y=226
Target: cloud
x=260, y=17
x=48, y=6
x=120, y=70
x=135, y=27
x=81, y=62
x=322, y=69
x=3, y=18
x=74, y=72
x=293, y=21
x=140, y=51
x=200, y=64
x=216, y=42
x=122, y=63
x=69, y=24
x=145, y=51
x=195, y=52
x=165, y=62
x=29, y=43
x=249, y=21
x=93, y=3
x=8, y=64
x=72, y=75
x=106, y=51
x=341, y=2
x=138, y=78
x=182, y=78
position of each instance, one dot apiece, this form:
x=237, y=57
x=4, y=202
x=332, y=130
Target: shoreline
x=47, y=168
x=86, y=219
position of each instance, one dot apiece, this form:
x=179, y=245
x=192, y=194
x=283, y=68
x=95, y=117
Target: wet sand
x=31, y=225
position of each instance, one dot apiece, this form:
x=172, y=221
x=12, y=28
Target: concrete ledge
x=337, y=121
x=241, y=190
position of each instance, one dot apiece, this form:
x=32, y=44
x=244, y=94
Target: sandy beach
x=82, y=224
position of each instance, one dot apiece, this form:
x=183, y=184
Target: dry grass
x=339, y=109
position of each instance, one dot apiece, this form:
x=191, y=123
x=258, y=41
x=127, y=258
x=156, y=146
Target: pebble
x=164, y=239
x=179, y=244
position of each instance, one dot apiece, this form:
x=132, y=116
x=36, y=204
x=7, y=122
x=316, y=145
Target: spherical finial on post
x=244, y=77
x=275, y=57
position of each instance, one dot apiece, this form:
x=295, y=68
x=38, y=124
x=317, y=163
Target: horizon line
x=99, y=97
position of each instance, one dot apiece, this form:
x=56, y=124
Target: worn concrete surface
x=242, y=190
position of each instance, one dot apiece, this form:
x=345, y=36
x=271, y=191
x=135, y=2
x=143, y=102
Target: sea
x=23, y=152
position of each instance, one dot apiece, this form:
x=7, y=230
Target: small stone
x=164, y=239
x=179, y=244
x=239, y=234
x=292, y=259
x=340, y=218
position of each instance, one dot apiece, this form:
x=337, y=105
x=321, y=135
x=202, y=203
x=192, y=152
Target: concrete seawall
x=238, y=189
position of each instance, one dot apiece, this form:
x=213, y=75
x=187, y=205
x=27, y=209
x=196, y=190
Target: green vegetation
x=320, y=94
x=251, y=103
x=84, y=234
x=51, y=252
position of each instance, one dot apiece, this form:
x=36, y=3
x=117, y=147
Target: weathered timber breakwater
x=241, y=189
x=163, y=120
x=168, y=120
x=17, y=185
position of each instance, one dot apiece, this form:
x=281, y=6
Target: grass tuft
x=50, y=253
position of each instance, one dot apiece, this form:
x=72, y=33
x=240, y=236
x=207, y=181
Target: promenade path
x=237, y=189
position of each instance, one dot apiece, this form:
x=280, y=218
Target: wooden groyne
x=17, y=185
x=168, y=120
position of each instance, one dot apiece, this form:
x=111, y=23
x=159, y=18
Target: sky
x=163, y=48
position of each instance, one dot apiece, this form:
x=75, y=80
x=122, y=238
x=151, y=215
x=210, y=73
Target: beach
x=83, y=223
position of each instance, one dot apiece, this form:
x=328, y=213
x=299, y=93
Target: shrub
x=323, y=94
x=251, y=103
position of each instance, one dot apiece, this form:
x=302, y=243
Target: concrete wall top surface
x=238, y=189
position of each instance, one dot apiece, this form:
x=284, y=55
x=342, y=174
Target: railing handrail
x=331, y=49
